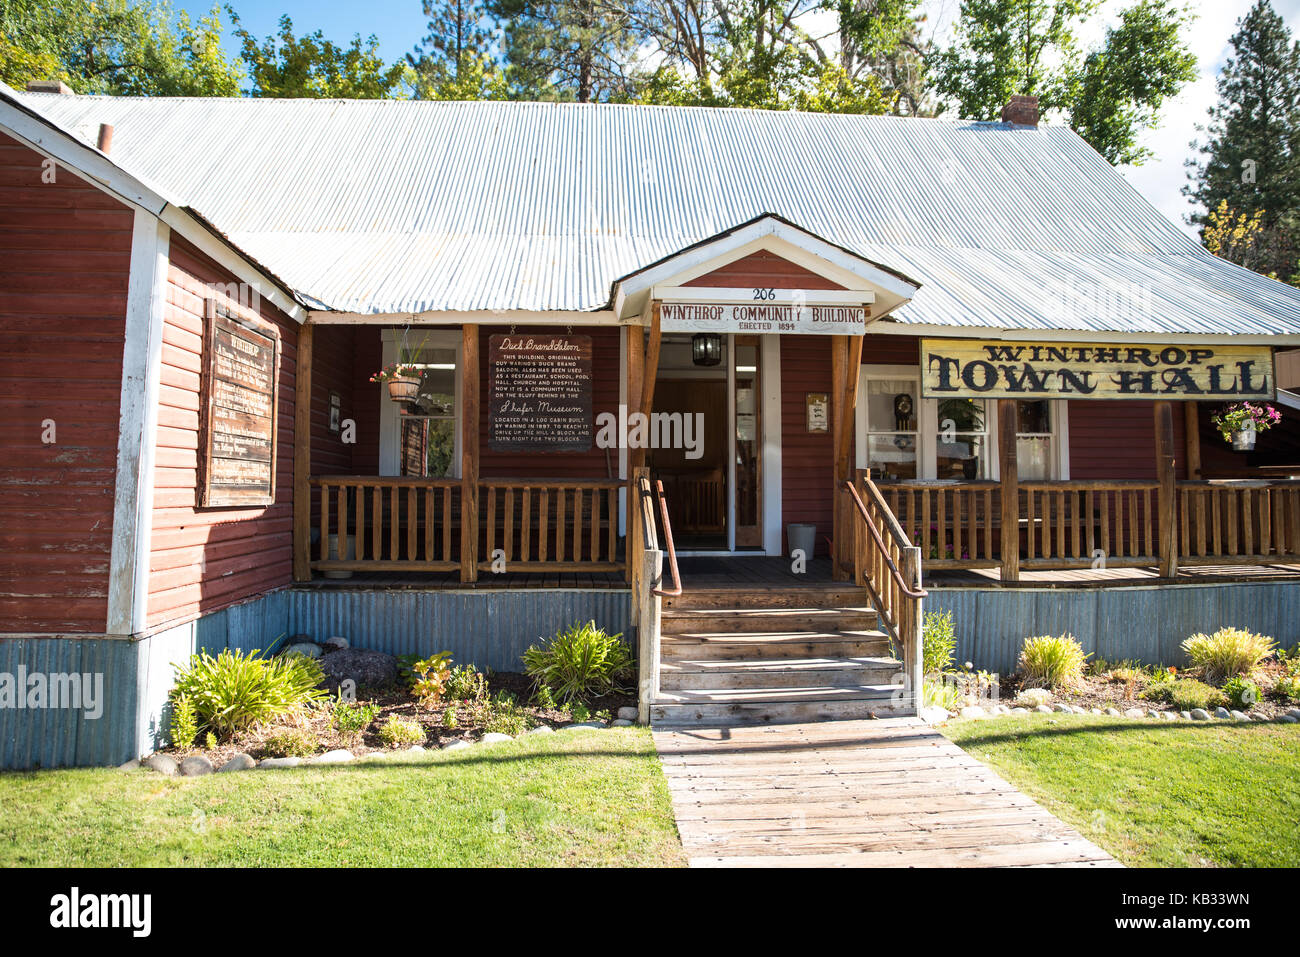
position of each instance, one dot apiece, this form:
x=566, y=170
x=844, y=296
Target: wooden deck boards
x=887, y=793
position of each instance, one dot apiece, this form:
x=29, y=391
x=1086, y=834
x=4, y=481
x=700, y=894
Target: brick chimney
x=1022, y=111
x=48, y=86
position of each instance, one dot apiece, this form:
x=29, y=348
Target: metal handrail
x=884, y=551
x=668, y=540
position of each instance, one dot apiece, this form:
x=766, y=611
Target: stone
x=455, y=745
x=1020, y=711
x=1114, y=712
x=1062, y=708
x=972, y=711
x=1168, y=716
x=337, y=756
x=1239, y=716
x=132, y=765
x=336, y=643
x=240, y=762
x=933, y=714
x=1185, y=715
x=494, y=737
x=368, y=669
x=541, y=729
x=1153, y=713
x=621, y=723
x=1134, y=713
x=417, y=749
x=582, y=724
x=1095, y=711
x=1295, y=713
x=270, y=764
x=1222, y=713
x=1200, y=714
x=162, y=763
x=1043, y=709
x=1078, y=709
x=1288, y=719
x=310, y=649
x=627, y=714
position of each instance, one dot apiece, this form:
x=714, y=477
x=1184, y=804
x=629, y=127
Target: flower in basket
x=397, y=370
x=1245, y=417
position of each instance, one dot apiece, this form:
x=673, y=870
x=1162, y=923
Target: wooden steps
x=808, y=653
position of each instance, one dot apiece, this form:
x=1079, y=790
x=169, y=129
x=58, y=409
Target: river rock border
x=1196, y=714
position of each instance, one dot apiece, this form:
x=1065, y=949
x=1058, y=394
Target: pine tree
x=1251, y=161
x=455, y=59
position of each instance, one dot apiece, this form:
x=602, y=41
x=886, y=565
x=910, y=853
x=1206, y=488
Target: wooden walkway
x=886, y=793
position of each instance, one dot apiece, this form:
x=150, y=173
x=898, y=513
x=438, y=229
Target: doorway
x=714, y=487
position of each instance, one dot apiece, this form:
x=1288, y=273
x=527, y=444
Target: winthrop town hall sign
x=1087, y=370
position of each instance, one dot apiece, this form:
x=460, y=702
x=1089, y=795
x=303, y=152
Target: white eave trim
x=476, y=317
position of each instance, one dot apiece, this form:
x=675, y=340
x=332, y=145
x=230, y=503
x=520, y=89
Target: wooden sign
x=238, y=409
x=763, y=317
x=539, y=393
x=818, y=407
x=971, y=368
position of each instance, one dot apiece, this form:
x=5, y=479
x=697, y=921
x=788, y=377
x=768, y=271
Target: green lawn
x=591, y=798
x=1164, y=795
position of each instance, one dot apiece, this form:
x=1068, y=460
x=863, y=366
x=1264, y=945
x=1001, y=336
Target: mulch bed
x=469, y=719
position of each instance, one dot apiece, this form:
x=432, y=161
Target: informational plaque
x=971, y=368
x=539, y=393
x=238, y=411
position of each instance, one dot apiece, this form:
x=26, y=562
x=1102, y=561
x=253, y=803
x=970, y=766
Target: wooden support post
x=635, y=538
x=839, y=460
x=651, y=363
x=912, y=625
x=1192, y=439
x=469, y=454
x=1010, y=477
x=1168, y=525
x=648, y=619
x=635, y=457
x=302, y=456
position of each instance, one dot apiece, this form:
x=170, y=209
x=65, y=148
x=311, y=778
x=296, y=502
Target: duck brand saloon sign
x=971, y=368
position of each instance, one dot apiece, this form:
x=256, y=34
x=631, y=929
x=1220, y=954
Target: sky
x=400, y=24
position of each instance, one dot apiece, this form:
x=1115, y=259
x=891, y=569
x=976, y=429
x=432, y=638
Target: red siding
x=807, y=459
x=891, y=350
x=1117, y=440
x=65, y=258
x=205, y=559
x=333, y=355
x=764, y=270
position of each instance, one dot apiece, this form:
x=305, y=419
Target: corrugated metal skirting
x=1147, y=624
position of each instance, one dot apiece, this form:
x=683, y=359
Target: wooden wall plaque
x=539, y=393
x=237, y=410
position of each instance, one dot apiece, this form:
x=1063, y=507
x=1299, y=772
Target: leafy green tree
x=455, y=60
x=1110, y=96
x=312, y=66
x=115, y=47
x=1251, y=161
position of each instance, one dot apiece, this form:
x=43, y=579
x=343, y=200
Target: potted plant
x=1239, y=422
x=402, y=379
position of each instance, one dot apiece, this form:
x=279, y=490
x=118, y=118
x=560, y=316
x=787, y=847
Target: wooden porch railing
x=888, y=565
x=418, y=524
x=1244, y=522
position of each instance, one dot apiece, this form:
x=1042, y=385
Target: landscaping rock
x=270, y=764
x=1078, y=709
x=495, y=737
x=161, y=763
x=336, y=643
x=369, y=669
x=1240, y=716
x=1199, y=714
x=1295, y=713
x=1153, y=713
x=1020, y=711
x=541, y=729
x=132, y=765
x=337, y=756
x=1168, y=716
x=1062, y=709
x=1043, y=709
x=455, y=745
x=621, y=723
x=583, y=724
x=195, y=765
x=417, y=749
x=627, y=714
x=1134, y=713
x=1095, y=711
x=1222, y=713
x=240, y=762
x=972, y=711
x=1114, y=712
x=310, y=649
x=1289, y=719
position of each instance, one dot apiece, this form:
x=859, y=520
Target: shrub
x=1033, y=697
x=291, y=743
x=1242, y=693
x=580, y=661
x=429, y=678
x=466, y=683
x=397, y=731
x=1288, y=688
x=449, y=718
x=1052, y=662
x=1185, y=694
x=544, y=697
x=1227, y=652
x=507, y=720
x=938, y=643
x=210, y=740
x=938, y=692
x=351, y=719
x=184, y=723
x=234, y=690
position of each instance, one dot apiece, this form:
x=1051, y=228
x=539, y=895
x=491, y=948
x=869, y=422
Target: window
x=421, y=438
x=892, y=427
x=1034, y=440
x=961, y=439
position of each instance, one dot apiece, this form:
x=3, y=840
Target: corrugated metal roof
x=400, y=206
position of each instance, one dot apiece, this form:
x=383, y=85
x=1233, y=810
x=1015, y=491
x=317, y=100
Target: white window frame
x=928, y=426
x=390, y=436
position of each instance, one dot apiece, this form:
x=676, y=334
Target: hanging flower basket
x=402, y=379
x=1238, y=423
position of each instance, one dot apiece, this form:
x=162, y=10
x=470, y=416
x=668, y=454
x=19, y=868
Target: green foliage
x=544, y=697
x=119, y=47
x=184, y=722
x=1288, y=688
x=234, y=690
x=1227, y=652
x=351, y=718
x=312, y=66
x=449, y=718
x=1052, y=661
x=942, y=694
x=429, y=678
x=938, y=644
x=291, y=743
x=1033, y=698
x=398, y=731
x=1183, y=694
x=566, y=49
x=1241, y=692
x=580, y=712
x=505, y=716
x=580, y=661
x=466, y=683
x=210, y=740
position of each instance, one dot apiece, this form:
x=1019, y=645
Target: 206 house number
x=764, y=295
